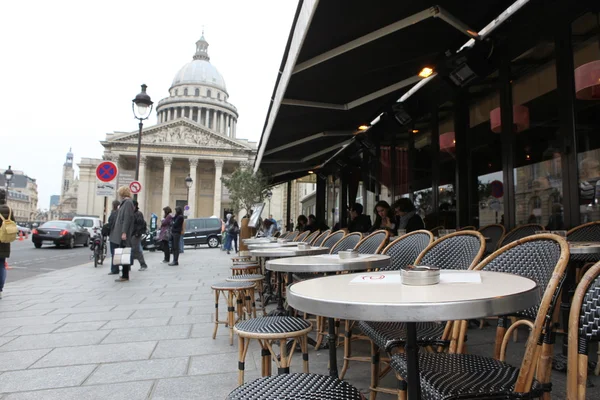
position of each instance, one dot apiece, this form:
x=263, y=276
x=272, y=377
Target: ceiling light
x=311, y=172
x=415, y=131
x=363, y=127
x=426, y=72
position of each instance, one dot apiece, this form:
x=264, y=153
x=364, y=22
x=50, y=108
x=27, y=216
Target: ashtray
x=420, y=275
x=281, y=241
x=304, y=246
x=348, y=254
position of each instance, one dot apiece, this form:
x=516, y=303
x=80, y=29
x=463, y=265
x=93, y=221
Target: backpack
x=8, y=230
x=139, y=224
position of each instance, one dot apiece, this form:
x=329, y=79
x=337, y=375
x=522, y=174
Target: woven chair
x=321, y=238
x=277, y=234
x=310, y=238
x=296, y=387
x=333, y=238
x=458, y=251
x=584, y=327
x=589, y=232
x=257, y=279
x=519, y=233
x=467, y=228
x=453, y=376
x=436, y=230
x=405, y=250
x=231, y=291
x=302, y=236
x=374, y=243
x=495, y=232
x=349, y=242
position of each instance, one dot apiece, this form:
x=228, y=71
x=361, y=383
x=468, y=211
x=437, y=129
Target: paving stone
x=81, y=326
x=34, y=329
x=208, y=309
x=14, y=360
x=206, y=330
x=101, y=353
x=190, y=319
x=139, y=370
x=7, y=329
x=159, y=313
x=23, y=313
x=192, y=347
x=165, y=299
x=197, y=303
x=81, y=310
x=136, y=323
x=51, y=340
x=101, y=316
x=190, y=388
x=5, y=339
x=54, y=305
x=44, y=378
x=220, y=364
x=153, y=306
x=148, y=333
x=118, y=391
x=22, y=321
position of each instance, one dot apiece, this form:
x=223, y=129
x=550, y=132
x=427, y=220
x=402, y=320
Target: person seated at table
x=268, y=228
x=302, y=223
x=359, y=222
x=385, y=218
x=409, y=219
x=315, y=225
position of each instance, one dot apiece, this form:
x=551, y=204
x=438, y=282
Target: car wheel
x=213, y=242
x=71, y=243
x=37, y=244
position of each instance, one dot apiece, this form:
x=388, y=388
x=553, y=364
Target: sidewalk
x=77, y=334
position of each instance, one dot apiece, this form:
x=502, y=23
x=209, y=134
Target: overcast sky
x=70, y=69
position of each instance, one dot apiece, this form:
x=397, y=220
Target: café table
x=275, y=245
x=329, y=263
x=280, y=252
x=259, y=240
x=381, y=296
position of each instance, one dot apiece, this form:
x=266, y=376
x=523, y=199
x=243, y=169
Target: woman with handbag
x=165, y=233
x=123, y=232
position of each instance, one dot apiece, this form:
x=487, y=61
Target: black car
x=64, y=233
x=202, y=231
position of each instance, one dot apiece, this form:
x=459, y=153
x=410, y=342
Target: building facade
x=195, y=135
x=22, y=196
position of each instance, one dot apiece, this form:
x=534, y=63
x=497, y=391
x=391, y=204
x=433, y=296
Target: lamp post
x=8, y=175
x=142, y=108
x=188, y=182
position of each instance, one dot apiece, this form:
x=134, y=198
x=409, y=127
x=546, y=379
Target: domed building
x=195, y=136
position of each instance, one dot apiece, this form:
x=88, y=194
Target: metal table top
x=274, y=245
x=259, y=240
x=288, y=252
x=328, y=263
x=380, y=296
x=584, y=247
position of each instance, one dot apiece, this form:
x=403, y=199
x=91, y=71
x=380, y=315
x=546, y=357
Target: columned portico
x=166, y=189
x=192, y=192
x=218, y=184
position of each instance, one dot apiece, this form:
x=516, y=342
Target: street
x=26, y=261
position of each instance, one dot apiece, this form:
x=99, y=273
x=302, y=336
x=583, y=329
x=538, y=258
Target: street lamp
x=142, y=108
x=8, y=175
x=188, y=183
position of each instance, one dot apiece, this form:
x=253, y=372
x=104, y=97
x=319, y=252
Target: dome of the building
x=200, y=70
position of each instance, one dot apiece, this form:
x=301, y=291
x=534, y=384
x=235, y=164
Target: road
x=26, y=261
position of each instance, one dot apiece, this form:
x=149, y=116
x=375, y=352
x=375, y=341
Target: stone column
x=217, y=198
x=222, y=123
x=228, y=127
x=166, y=191
x=192, y=193
x=233, y=128
x=142, y=180
x=210, y=119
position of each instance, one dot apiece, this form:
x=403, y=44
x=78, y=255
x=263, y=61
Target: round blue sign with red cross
x=107, y=171
x=497, y=189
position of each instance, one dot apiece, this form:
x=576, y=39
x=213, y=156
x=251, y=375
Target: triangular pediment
x=182, y=132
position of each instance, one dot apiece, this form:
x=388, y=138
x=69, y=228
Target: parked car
x=89, y=223
x=202, y=231
x=64, y=233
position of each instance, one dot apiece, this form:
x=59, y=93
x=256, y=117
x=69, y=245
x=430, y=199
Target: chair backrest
x=311, y=237
x=519, y=233
x=495, y=232
x=302, y=236
x=468, y=228
x=333, y=238
x=347, y=243
x=405, y=250
x=584, y=327
x=458, y=250
x=318, y=241
x=277, y=234
x=374, y=243
x=589, y=232
x=436, y=230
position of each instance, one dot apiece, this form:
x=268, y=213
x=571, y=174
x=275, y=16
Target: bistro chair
x=232, y=292
x=458, y=251
x=257, y=279
x=584, y=327
x=333, y=238
x=348, y=242
x=302, y=236
x=374, y=243
x=589, y=232
x=297, y=387
x=277, y=234
x=519, y=232
x=318, y=241
x=495, y=232
x=436, y=230
x=310, y=238
x=467, y=228
x=456, y=375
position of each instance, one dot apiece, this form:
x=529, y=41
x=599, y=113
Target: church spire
x=202, y=49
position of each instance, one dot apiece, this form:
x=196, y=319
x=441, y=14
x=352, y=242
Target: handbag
x=122, y=256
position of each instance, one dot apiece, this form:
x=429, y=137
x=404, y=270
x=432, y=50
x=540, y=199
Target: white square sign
x=105, y=188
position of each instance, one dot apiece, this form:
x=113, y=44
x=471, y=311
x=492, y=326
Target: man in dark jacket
x=358, y=221
x=114, y=269
x=122, y=231
x=4, y=247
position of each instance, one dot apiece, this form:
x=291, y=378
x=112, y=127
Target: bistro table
x=278, y=252
x=259, y=240
x=329, y=263
x=381, y=296
x=275, y=245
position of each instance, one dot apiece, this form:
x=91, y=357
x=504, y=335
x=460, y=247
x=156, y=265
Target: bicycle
x=98, y=246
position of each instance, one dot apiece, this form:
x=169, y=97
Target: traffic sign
x=105, y=188
x=106, y=171
x=497, y=189
x=135, y=187
x=186, y=207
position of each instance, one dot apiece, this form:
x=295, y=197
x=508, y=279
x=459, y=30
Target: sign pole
x=104, y=214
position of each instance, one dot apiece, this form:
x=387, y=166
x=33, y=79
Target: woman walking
x=122, y=232
x=232, y=234
x=177, y=232
x=165, y=233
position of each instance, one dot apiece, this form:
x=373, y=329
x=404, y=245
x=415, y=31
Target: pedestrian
x=139, y=228
x=177, y=233
x=232, y=234
x=6, y=213
x=122, y=233
x=165, y=233
x=114, y=269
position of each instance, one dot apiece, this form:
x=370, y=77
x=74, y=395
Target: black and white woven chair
x=589, y=232
x=584, y=328
x=349, y=242
x=333, y=238
x=296, y=387
x=435, y=231
x=257, y=279
x=405, y=250
x=321, y=238
x=374, y=243
x=459, y=250
x=302, y=236
x=461, y=376
x=310, y=238
x=519, y=233
x=495, y=232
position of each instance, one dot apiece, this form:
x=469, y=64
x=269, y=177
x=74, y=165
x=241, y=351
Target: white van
x=89, y=223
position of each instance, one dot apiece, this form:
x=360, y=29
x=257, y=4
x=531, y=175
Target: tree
x=245, y=188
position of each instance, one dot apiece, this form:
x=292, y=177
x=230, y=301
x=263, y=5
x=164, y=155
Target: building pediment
x=180, y=133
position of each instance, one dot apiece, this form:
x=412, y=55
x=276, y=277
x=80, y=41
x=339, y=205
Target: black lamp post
x=188, y=182
x=142, y=108
x=8, y=175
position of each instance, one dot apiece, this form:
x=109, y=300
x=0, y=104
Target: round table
x=381, y=296
x=324, y=264
x=273, y=245
x=259, y=240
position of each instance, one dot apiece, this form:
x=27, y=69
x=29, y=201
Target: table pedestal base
x=331, y=337
x=412, y=362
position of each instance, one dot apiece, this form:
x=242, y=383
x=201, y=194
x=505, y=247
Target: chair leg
x=230, y=315
x=597, y=370
x=375, y=366
x=320, y=331
x=401, y=388
x=243, y=351
x=217, y=292
x=284, y=367
x=266, y=359
x=347, y=348
x=516, y=331
x=304, y=348
x=500, y=331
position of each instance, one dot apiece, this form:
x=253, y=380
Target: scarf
x=404, y=219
